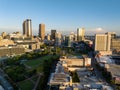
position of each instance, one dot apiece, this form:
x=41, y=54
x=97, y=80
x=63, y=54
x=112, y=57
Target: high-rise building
x=115, y=44
x=80, y=34
x=42, y=31
x=27, y=28
x=75, y=37
x=48, y=37
x=58, y=37
x=53, y=32
x=4, y=34
x=102, y=42
x=113, y=34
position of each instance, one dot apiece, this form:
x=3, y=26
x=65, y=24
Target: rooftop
x=105, y=59
x=114, y=69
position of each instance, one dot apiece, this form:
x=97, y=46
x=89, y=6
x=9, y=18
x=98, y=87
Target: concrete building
x=11, y=51
x=71, y=39
x=27, y=28
x=53, y=32
x=28, y=44
x=75, y=37
x=113, y=34
x=75, y=62
x=58, y=37
x=111, y=65
x=80, y=34
x=103, y=43
x=3, y=34
x=67, y=41
x=59, y=77
x=42, y=31
x=1, y=38
x=115, y=44
x=6, y=42
x=48, y=37
x=114, y=70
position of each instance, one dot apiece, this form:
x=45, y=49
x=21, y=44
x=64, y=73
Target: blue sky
x=62, y=15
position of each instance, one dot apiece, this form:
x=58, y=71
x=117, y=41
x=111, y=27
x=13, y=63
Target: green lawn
x=26, y=85
x=37, y=63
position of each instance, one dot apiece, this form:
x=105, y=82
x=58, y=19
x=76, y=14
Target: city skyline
x=65, y=16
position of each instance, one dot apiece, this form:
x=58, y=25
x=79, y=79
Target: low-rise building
x=6, y=42
x=11, y=51
x=74, y=62
x=114, y=70
x=60, y=77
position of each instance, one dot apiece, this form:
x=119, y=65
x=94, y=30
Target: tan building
x=29, y=44
x=6, y=42
x=3, y=34
x=113, y=34
x=27, y=28
x=1, y=38
x=115, y=44
x=74, y=62
x=42, y=31
x=80, y=34
x=11, y=51
x=102, y=42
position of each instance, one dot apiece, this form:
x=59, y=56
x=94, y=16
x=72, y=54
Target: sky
x=96, y=16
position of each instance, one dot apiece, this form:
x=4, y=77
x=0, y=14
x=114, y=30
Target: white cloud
x=93, y=31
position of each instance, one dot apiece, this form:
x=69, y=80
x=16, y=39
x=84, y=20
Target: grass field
x=26, y=85
x=38, y=63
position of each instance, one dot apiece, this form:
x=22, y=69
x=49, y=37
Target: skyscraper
x=80, y=34
x=27, y=28
x=53, y=32
x=58, y=37
x=42, y=31
x=102, y=42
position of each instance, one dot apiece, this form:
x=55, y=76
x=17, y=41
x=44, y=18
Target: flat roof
x=114, y=69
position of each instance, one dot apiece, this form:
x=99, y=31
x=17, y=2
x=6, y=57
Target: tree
x=74, y=77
